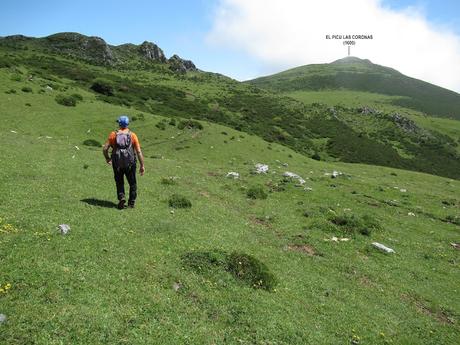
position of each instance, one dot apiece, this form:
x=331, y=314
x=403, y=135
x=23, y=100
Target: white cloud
x=289, y=33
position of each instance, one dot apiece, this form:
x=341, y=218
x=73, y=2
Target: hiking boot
x=131, y=204
x=121, y=204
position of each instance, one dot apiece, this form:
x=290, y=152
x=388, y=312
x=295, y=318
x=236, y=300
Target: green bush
x=179, y=201
x=190, y=124
x=172, y=122
x=161, y=125
x=68, y=101
x=102, y=86
x=169, y=181
x=256, y=192
x=10, y=91
x=351, y=223
x=243, y=267
x=250, y=270
x=26, y=89
x=77, y=97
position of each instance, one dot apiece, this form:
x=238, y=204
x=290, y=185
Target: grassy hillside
x=361, y=75
x=229, y=270
x=313, y=129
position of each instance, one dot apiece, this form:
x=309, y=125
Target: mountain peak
x=351, y=59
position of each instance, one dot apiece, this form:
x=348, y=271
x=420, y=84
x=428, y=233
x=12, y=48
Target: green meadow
x=261, y=259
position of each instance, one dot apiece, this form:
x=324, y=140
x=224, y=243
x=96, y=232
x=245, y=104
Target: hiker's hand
x=141, y=170
x=109, y=161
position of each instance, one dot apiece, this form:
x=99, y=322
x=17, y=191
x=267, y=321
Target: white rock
x=294, y=176
x=411, y=214
x=2, y=318
x=308, y=189
x=64, y=228
x=382, y=247
x=48, y=88
x=261, y=168
x=77, y=148
x=402, y=190
x=233, y=175
x=336, y=174
x=14, y=132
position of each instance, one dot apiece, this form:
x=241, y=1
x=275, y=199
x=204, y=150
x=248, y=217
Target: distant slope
x=362, y=75
x=340, y=133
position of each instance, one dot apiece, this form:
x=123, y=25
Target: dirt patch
x=302, y=248
x=441, y=316
x=203, y=193
x=213, y=174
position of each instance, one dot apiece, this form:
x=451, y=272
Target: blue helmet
x=123, y=121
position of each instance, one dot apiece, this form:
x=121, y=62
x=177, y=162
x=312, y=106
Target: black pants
x=130, y=174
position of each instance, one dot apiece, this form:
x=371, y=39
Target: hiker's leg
x=120, y=182
x=131, y=177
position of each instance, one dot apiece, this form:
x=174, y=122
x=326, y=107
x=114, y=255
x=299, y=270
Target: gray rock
x=2, y=318
x=382, y=247
x=64, y=228
x=151, y=51
x=179, y=65
x=261, y=168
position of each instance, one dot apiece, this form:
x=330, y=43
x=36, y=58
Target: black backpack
x=123, y=156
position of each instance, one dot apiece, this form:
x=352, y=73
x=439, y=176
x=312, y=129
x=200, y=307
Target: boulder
x=151, y=51
x=179, y=65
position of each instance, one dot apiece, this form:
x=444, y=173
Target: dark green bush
x=26, y=89
x=102, y=86
x=179, y=201
x=161, y=125
x=92, y=142
x=251, y=271
x=316, y=156
x=77, y=97
x=243, y=267
x=453, y=219
x=351, y=223
x=190, y=124
x=172, y=122
x=10, y=91
x=68, y=101
x=169, y=181
x=256, y=192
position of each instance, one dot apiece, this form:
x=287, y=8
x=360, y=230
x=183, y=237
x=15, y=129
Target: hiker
x=125, y=147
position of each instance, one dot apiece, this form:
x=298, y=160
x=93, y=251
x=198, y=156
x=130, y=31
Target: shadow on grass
x=99, y=203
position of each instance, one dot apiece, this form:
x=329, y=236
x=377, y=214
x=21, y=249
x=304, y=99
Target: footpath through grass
x=229, y=269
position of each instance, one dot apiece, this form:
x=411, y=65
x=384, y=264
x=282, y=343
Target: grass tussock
x=179, y=201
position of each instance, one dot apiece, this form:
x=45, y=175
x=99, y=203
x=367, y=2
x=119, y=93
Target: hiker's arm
x=105, y=151
x=141, y=161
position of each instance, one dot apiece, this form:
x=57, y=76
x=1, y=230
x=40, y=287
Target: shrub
x=103, y=87
x=92, y=142
x=190, y=124
x=68, y=101
x=243, y=267
x=256, y=192
x=179, y=201
x=352, y=223
x=10, y=91
x=77, y=97
x=172, y=122
x=316, y=156
x=250, y=270
x=26, y=89
x=169, y=181
x=453, y=219
x=161, y=125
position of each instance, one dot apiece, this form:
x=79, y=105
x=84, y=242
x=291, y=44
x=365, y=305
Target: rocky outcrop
x=93, y=48
x=179, y=65
x=404, y=123
x=151, y=51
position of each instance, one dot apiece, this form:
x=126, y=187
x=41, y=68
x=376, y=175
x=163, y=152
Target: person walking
x=125, y=151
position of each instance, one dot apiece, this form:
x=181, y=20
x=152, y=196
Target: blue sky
x=182, y=27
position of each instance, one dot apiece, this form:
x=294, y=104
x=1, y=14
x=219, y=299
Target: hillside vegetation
x=261, y=259
x=364, y=133
x=355, y=74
